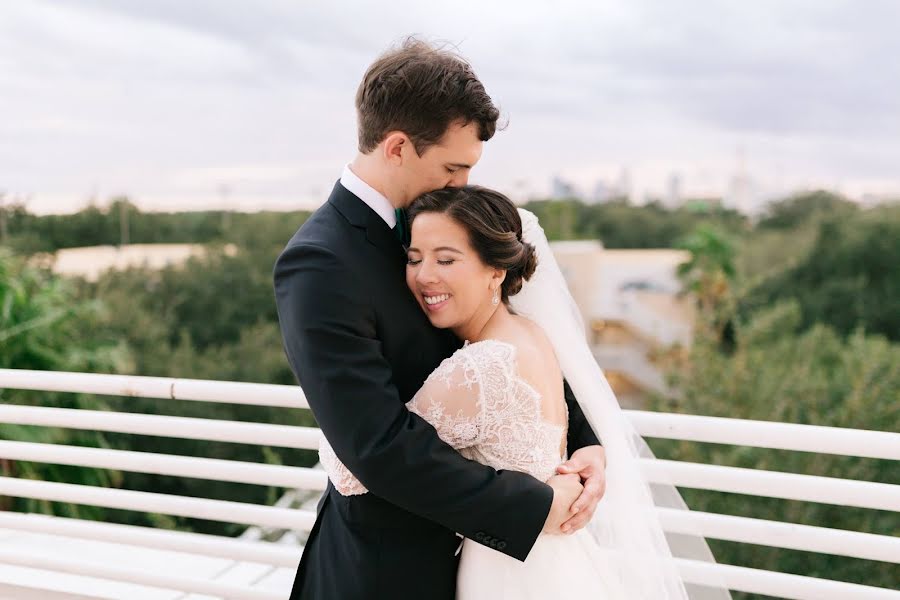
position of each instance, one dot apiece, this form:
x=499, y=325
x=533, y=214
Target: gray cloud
x=160, y=99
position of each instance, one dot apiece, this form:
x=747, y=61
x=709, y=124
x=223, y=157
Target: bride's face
x=448, y=278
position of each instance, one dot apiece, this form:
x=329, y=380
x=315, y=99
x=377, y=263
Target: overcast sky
x=250, y=104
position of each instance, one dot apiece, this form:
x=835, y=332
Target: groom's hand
x=589, y=463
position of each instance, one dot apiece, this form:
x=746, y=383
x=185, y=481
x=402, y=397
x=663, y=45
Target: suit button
x=479, y=536
x=501, y=545
x=493, y=543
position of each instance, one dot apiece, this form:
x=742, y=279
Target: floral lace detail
x=344, y=481
x=478, y=404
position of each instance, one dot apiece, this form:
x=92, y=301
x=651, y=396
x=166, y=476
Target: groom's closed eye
x=454, y=167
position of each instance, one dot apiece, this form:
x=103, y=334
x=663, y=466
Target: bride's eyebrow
x=447, y=248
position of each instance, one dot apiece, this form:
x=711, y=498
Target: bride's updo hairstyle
x=494, y=226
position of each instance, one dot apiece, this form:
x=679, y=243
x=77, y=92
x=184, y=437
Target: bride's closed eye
x=414, y=262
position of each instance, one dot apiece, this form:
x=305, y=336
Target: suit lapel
x=381, y=236
x=361, y=216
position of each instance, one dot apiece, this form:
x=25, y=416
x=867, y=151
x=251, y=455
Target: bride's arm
x=451, y=401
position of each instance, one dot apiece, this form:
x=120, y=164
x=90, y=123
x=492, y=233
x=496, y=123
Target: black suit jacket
x=361, y=347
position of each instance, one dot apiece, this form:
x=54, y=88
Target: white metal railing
x=179, y=427
x=806, y=438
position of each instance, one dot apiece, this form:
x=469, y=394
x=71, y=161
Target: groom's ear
x=395, y=145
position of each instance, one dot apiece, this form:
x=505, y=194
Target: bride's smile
x=435, y=301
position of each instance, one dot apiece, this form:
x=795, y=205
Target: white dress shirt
x=369, y=195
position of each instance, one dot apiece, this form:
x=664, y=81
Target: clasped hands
x=578, y=486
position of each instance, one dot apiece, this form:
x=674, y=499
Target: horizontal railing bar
x=779, y=585
x=286, y=436
x=725, y=527
x=260, y=474
x=778, y=534
x=767, y=434
x=235, y=392
x=159, y=578
x=165, y=464
x=736, y=578
x=790, y=486
x=145, y=537
x=200, y=508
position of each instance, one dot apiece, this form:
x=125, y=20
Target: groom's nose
x=459, y=179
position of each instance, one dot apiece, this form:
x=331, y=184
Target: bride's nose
x=427, y=272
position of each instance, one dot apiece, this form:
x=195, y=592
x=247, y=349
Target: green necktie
x=401, y=229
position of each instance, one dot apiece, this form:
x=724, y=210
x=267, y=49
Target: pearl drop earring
x=496, y=299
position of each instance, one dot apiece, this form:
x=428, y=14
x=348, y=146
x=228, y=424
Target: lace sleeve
x=343, y=480
x=452, y=400
x=449, y=400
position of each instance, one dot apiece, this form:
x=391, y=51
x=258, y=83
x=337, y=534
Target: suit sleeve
x=329, y=333
x=581, y=433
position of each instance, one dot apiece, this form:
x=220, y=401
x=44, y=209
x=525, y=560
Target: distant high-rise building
x=562, y=189
x=624, y=185
x=603, y=192
x=742, y=194
x=674, y=195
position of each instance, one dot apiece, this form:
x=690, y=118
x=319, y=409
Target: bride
x=499, y=401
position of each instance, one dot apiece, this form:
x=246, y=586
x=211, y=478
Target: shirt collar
x=365, y=192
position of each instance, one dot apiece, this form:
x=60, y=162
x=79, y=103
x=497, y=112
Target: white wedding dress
x=481, y=405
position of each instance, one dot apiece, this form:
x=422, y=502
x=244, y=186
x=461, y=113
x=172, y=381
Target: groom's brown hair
x=421, y=89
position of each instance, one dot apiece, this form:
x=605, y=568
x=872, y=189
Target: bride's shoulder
x=491, y=348
x=474, y=362
x=482, y=356
x=522, y=338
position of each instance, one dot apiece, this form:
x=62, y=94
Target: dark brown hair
x=494, y=227
x=421, y=90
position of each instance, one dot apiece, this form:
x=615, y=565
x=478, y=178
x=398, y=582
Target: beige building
x=92, y=261
x=631, y=303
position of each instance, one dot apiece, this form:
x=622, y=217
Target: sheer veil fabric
x=626, y=525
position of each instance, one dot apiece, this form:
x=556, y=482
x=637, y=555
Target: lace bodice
x=480, y=405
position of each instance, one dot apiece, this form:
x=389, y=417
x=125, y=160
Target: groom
x=360, y=347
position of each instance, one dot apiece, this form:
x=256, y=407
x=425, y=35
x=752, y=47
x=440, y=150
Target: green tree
x=847, y=279
x=619, y=224
x=799, y=209
x=778, y=372
x=210, y=318
x=41, y=328
x=708, y=276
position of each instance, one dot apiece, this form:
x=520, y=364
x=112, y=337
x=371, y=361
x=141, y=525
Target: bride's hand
x=566, y=488
x=590, y=464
